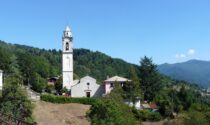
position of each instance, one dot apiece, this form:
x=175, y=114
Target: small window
x=88, y=83
x=111, y=85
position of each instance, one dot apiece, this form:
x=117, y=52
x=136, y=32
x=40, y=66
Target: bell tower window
x=67, y=46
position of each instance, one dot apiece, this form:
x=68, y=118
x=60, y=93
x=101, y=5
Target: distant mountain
x=194, y=71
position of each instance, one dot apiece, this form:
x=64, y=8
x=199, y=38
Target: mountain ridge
x=194, y=71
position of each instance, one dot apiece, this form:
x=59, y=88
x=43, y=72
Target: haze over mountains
x=194, y=71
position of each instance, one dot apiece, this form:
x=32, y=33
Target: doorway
x=88, y=94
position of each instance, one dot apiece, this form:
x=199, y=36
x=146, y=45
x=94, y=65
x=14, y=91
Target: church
x=84, y=87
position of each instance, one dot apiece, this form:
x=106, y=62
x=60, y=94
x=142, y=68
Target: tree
x=5, y=60
x=112, y=110
x=41, y=66
x=150, y=79
x=39, y=84
x=195, y=118
x=26, y=67
x=14, y=99
x=58, y=85
x=186, y=97
x=132, y=89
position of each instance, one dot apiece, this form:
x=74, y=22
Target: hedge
x=146, y=115
x=63, y=99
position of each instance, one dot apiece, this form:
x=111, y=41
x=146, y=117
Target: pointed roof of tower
x=67, y=29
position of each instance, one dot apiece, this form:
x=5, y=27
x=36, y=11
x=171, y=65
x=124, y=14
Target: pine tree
x=150, y=79
x=133, y=90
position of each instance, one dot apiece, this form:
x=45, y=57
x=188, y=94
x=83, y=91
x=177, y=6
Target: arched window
x=67, y=46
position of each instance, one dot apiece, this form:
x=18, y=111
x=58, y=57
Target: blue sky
x=166, y=30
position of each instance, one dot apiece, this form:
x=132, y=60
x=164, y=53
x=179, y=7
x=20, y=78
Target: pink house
x=110, y=81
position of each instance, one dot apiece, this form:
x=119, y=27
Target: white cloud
x=177, y=56
x=191, y=52
x=180, y=56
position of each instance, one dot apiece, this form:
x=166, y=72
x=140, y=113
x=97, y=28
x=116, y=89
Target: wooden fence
x=10, y=120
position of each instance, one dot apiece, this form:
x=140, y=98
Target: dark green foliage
x=146, y=115
x=112, y=110
x=14, y=99
x=58, y=85
x=150, y=79
x=132, y=89
x=34, y=64
x=195, y=118
x=99, y=65
x=49, y=89
x=39, y=83
x=198, y=115
x=5, y=60
x=63, y=99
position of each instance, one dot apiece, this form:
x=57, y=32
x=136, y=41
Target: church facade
x=87, y=87
x=84, y=87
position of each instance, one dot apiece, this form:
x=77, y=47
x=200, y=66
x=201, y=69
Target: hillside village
x=142, y=94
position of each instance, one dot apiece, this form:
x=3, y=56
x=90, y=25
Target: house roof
x=146, y=106
x=117, y=79
x=153, y=106
x=83, y=80
x=56, y=78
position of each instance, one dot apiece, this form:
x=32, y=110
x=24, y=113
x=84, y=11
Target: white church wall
x=67, y=78
x=67, y=62
x=86, y=84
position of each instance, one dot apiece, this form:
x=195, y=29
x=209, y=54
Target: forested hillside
x=39, y=64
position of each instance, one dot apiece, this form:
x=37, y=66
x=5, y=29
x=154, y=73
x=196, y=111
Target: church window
x=67, y=46
x=88, y=83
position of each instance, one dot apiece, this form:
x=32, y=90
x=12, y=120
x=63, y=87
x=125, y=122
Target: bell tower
x=67, y=58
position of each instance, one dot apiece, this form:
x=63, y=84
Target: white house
x=137, y=104
x=1, y=79
x=86, y=87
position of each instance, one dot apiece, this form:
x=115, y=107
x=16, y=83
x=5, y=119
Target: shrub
x=109, y=112
x=63, y=99
x=146, y=115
